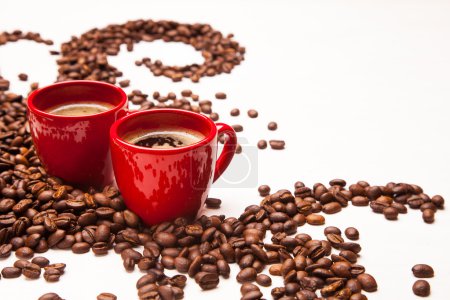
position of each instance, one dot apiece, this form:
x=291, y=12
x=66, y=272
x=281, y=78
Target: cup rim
x=114, y=136
x=32, y=107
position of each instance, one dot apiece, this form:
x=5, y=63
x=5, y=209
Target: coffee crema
x=79, y=108
x=165, y=138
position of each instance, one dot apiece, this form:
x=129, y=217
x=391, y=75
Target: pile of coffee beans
x=86, y=57
x=390, y=200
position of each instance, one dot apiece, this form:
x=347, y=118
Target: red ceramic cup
x=163, y=184
x=75, y=148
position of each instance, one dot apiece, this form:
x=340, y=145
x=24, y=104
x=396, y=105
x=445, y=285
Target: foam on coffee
x=165, y=138
x=79, y=108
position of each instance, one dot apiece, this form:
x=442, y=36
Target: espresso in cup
x=79, y=108
x=167, y=138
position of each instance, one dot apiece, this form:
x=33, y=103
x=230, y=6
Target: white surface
x=360, y=90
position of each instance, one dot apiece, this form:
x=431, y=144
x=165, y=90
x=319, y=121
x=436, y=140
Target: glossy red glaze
x=163, y=184
x=75, y=148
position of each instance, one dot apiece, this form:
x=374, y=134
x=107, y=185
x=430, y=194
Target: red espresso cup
x=163, y=184
x=75, y=148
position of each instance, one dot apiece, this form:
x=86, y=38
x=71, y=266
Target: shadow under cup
x=75, y=148
x=163, y=184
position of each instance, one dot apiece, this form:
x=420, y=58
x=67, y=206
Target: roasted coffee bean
x=352, y=233
x=40, y=261
x=314, y=219
x=100, y=248
x=213, y=203
x=81, y=247
x=238, y=128
x=332, y=229
x=428, y=216
x=221, y=96
x=52, y=275
x=331, y=208
x=5, y=250
x=11, y=272
x=24, y=252
x=272, y=126
x=50, y=296
x=106, y=296
x=421, y=288
x=252, y=113
x=263, y=280
x=264, y=190
x=390, y=213
x=277, y=144
x=367, y=282
x=246, y=275
x=234, y=112
x=262, y=144
x=422, y=271
x=358, y=296
x=207, y=281
x=360, y=201
x=165, y=239
x=438, y=201
x=31, y=271
x=59, y=266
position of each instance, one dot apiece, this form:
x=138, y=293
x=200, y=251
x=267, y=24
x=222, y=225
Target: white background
x=360, y=90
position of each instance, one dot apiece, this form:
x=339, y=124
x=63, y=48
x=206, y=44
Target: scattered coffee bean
x=52, y=275
x=421, y=288
x=332, y=230
x=367, y=282
x=238, y=128
x=352, y=233
x=314, y=219
x=213, y=203
x=277, y=144
x=390, y=213
x=252, y=113
x=24, y=252
x=50, y=296
x=207, y=281
x=272, y=126
x=11, y=272
x=262, y=144
x=124, y=83
x=263, y=280
x=106, y=296
x=235, y=112
x=423, y=271
x=40, y=261
x=264, y=190
x=23, y=77
x=221, y=95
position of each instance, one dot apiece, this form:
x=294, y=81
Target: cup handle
x=228, y=149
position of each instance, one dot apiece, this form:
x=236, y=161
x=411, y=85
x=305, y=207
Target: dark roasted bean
x=421, y=288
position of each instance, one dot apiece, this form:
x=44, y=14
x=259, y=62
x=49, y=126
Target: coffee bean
x=24, y=252
x=422, y=271
x=223, y=268
x=263, y=280
x=31, y=271
x=421, y=288
x=50, y=296
x=165, y=239
x=272, y=126
x=390, y=213
x=264, y=190
x=124, y=83
x=262, y=144
x=252, y=113
x=59, y=266
x=81, y=247
x=235, y=112
x=332, y=229
x=238, y=128
x=221, y=95
x=246, y=275
x=360, y=201
x=5, y=250
x=314, y=219
x=23, y=77
x=367, y=282
x=40, y=261
x=52, y=275
x=207, y=281
x=331, y=208
x=277, y=144
x=11, y=272
x=213, y=203
x=106, y=296
x=438, y=201
x=352, y=233
x=428, y=216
